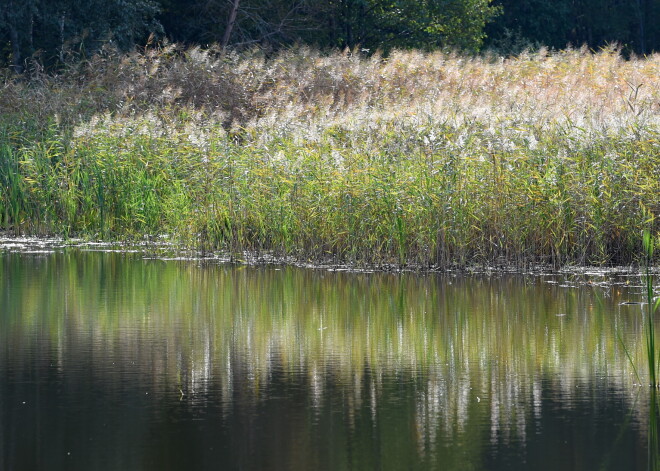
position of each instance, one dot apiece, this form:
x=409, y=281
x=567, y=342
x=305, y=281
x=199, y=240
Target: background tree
x=239, y=23
x=17, y=25
x=53, y=28
x=427, y=24
x=370, y=24
x=634, y=24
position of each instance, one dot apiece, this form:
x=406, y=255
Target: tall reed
x=430, y=160
x=653, y=304
x=652, y=307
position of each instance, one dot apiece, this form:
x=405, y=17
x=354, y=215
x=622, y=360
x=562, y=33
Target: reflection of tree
x=465, y=351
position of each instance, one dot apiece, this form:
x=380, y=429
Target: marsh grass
x=429, y=160
x=652, y=304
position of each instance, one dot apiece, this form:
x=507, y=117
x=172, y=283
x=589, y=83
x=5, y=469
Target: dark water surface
x=110, y=361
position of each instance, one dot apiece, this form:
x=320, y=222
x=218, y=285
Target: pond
x=114, y=360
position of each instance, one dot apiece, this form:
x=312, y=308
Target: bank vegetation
x=414, y=159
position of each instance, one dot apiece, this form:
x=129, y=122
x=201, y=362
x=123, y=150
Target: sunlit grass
x=430, y=160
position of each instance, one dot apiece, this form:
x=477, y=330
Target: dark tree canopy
x=371, y=24
x=54, y=30
x=634, y=24
x=427, y=24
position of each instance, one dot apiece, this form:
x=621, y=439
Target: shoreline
x=153, y=250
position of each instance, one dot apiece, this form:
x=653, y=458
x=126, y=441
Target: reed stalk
x=422, y=160
x=648, y=244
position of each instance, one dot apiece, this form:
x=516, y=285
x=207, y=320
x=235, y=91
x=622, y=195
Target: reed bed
x=427, y=160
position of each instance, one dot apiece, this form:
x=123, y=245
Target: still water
x=114, y=361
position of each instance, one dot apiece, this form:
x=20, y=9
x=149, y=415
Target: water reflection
x=172, y=363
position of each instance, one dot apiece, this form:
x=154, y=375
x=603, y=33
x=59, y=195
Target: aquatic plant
x=430, y=160
x=653, y=304
x=652, y=307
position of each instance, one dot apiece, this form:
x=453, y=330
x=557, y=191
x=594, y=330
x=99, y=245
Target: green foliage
x=412, y=24
x=648, y=244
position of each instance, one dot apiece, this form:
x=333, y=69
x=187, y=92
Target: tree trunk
x=641, y=16
x=62, y=22
x=17, y=60
x=31, y=35
x=230, y=23
x=348, y=23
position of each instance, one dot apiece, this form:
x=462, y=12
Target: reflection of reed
x=473, y=348
x=654, y=456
